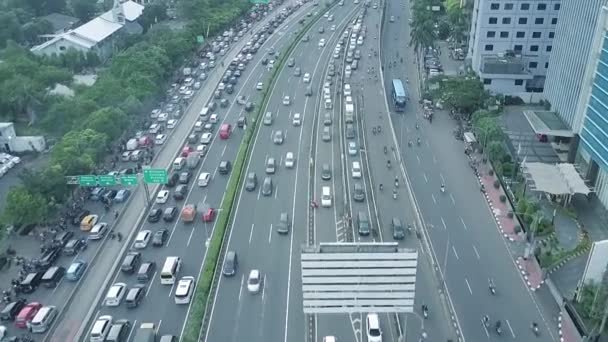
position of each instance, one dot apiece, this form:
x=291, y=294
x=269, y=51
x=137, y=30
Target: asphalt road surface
x=463, y=233
x=88, y=291
x=275, y=314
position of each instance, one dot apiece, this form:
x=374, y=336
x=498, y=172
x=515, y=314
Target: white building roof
x=559, y=179
x=98, y=29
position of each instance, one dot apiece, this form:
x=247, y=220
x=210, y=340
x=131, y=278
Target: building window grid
x=591, y=149
x=598, y=120
x=597, y=135
x=594, y=129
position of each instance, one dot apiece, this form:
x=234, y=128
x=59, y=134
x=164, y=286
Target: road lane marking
x=263, y=288
x=476, y=252
x=453, y=200
x=418, y=158
x=190, y=238
x=241, y=287
x=276, y=192
x=433, y=196
x=464, y=224
x=442, y=179
x=132, y=330
x=251, y=232
x=468, y=285
x=158, y=326
x=150, y=285
x=485, y=328
x=425, y=179
x=224, y=150
x=509, y=325
x=270, y=233
x=456, y=254
x=444, y=225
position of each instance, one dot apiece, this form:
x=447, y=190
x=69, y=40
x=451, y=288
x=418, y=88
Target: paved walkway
x=26, y=246
x=566, y=227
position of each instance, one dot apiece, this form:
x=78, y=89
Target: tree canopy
x=87, y=123
x=464, y=93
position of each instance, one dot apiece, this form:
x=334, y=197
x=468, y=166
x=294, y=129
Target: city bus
x=399, y=95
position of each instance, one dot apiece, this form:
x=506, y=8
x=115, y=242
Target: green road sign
x=128, y=180
x=259, y=1
x=155, y=176
x=107, y=180
x=72, y=180
x=87, y=180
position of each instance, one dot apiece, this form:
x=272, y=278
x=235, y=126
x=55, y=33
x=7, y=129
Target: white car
x=374, y=334
x=286, y=100
x=98, y=231
x=348, y=100
x=160, y=139
x=322, y=42
x=171, y=123
x=259, y=86
x=115, y=294
x=306, y=78
x=254, y=281
x=203, y=179
x=201, y=149
x=197, y=85
x=100, y=325
x=352, y=148
x=142, y=239
x=162, y=117
x=297, y=119
x=289, y=160
x=206, y=138
x=347, y=91
x=332, y=28
x=162, y=197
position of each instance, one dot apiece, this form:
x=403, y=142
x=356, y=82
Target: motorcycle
x=385, y=150
x=396, y=182
x=394, y=194
x=381, y=187
x=425, y=311
x=497, y=328
x=535, y=329
x=442, y=189
x=418, y=142
x=388, y=164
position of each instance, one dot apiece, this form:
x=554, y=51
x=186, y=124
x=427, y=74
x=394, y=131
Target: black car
x=11, y=310
x=224, y=167
x=251, y=181
x=154, y=215
x=131, y=262
x=159, y=238
x=172, y=181
x=180, y=192
x=264, y=61
x=63, y=238
x=49, y=257
x=74, y=246
x=169, y=214
x=78, y=218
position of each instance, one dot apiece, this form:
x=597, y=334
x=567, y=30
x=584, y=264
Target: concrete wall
x=27, y=144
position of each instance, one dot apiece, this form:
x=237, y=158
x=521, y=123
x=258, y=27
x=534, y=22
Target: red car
x=208, y=215
x=186, y=151
x=27, y=314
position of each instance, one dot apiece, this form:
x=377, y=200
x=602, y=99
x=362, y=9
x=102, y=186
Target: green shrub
x=503, y=198
x=496, y=184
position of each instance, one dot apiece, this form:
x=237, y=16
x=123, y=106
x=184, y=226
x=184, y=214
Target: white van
x=356, y=171
x=347, y=71
x=326, y=197
x=179, y=163
x=347, y=91
x=328, y=104
x=204, y=113
x=43, y=319
x=198, y=126
x=170, y=270
x=203, y=179
x=115, y=294
x=101, y=328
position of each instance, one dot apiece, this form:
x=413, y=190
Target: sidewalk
x=26, y=246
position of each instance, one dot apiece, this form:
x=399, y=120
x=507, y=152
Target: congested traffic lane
x=465, y=240
x=269, y=314
x=188, y=240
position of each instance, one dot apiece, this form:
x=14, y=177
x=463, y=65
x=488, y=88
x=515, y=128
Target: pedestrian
x=115, y=214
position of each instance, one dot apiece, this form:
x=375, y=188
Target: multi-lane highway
x=461, y=227
x=187, y=240
x=193, y=237
x=276, y=312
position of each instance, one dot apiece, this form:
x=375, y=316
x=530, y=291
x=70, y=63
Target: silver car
x=278, y=137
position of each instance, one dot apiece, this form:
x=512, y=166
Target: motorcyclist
x=381, y=187
x=442, y=187
x=388, y=163
x=385, y=149
x=417, y=125
x=418, y=141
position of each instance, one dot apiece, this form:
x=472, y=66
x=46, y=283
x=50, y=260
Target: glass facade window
x=594, y=133
x=508, y=7
x=506, y=20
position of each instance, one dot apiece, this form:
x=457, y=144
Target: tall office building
x=510, y=43
x=577, y=24
x=592, y=156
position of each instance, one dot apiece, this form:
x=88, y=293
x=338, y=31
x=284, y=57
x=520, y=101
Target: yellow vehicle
x=88, y=222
